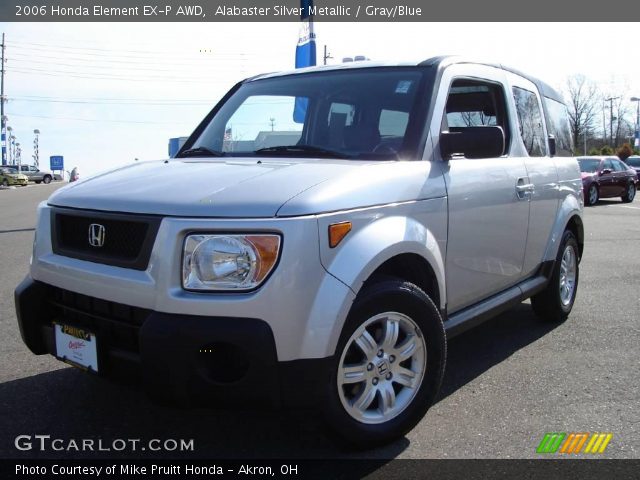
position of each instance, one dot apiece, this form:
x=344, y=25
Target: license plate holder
x=76, y=346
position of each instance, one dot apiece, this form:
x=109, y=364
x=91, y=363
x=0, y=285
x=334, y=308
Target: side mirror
x=473, y=142
x=552, y=145
x=605, y=171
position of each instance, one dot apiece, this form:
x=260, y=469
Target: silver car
x=341, y=224
x=34, y=174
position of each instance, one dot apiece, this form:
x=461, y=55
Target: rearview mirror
x=473, y=142
x=605, y=171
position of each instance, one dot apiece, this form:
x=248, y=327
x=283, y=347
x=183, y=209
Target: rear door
x=607, y=179
x=621, y=176
x=488, y=215
x=531, y=144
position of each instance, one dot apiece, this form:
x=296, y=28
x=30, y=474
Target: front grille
x=115, y=324
x=126, y=242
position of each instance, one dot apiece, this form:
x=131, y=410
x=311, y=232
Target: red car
x=607, y=177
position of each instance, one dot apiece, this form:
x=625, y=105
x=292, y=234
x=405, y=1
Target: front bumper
x=184, y=359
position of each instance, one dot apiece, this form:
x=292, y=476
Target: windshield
x=589, y=165
x=354, y=113
x=633, y=162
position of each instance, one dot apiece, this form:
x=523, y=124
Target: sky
x=104, y=94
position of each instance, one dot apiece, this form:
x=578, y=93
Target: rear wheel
x=629, y=193
x=592, y=195
x=37, y=181
x=555, y=302
x=388, y=365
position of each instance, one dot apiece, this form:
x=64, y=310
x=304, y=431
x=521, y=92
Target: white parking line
x=624, y=206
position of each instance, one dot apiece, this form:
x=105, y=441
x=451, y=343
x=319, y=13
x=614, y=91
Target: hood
x=251, y=187
x=235, y=187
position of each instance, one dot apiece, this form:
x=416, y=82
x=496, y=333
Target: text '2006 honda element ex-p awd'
x=316, y=241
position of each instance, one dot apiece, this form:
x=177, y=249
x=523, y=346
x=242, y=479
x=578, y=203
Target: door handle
x=527, y=187
x=524, y=190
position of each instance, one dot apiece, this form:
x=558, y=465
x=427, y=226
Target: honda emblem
x=97, y=234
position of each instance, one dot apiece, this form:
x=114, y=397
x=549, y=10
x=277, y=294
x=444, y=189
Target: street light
x=36, y=157
x=13, y=147
x=8, y=142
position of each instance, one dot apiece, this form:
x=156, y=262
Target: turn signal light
x=337, y=232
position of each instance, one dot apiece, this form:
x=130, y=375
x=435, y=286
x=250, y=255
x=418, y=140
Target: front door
x=488, y=207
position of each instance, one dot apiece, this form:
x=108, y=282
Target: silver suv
x=317, y=240
x=36, y=175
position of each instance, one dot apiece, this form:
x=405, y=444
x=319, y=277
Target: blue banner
x=305, y=54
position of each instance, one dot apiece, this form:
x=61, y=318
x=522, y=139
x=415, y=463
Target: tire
x=629, y=193
x=46, y=179
x=412, y=320
x=555, y=302
x=37, y=181
x=5, y=183
x=593, y=195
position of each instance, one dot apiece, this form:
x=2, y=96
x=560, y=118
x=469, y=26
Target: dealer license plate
x=76, y=346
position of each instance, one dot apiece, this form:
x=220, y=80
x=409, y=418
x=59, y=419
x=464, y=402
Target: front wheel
x=46, y=179
x=629, y=193
x=555, y=302
x=5, y=183
x=388, y=366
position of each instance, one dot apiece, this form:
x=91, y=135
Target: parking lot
x=508, y=382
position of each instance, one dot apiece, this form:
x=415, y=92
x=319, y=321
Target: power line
x=25, y=71
x=178, y=54
x=115, y=98
x=113, y=102
x=83, y=61
x=145, y=122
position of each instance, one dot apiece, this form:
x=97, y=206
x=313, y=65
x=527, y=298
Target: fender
x=380, y=234
x=569, y=207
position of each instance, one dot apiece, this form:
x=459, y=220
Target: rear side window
x=530, y=121
x=558, y=126
x=618, y=166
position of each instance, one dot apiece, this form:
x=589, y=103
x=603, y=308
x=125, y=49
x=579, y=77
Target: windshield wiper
x=302, y=149
x=200, y=152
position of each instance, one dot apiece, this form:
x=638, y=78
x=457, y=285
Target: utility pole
x=326, y=55
x=610, y=100
x=272, y=122
x=4, y=119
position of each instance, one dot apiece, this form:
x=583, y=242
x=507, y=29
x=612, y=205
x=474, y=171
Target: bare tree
x=584, y=100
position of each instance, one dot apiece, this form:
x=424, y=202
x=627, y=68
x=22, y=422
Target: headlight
x=228, y=262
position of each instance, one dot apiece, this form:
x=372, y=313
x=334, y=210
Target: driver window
x=473, y=103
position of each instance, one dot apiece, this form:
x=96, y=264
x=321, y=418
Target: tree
x=583, y=106
x=624, y=152
x=606, y=150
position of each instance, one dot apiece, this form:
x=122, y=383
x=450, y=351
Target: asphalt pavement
x=508, y=382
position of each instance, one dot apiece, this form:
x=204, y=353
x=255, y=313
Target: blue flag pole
x=305, y=53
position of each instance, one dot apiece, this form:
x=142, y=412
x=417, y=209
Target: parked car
x=10, y=176
x=607, y=177
x=328, y=269
x=34, y=174
x=634, y=162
